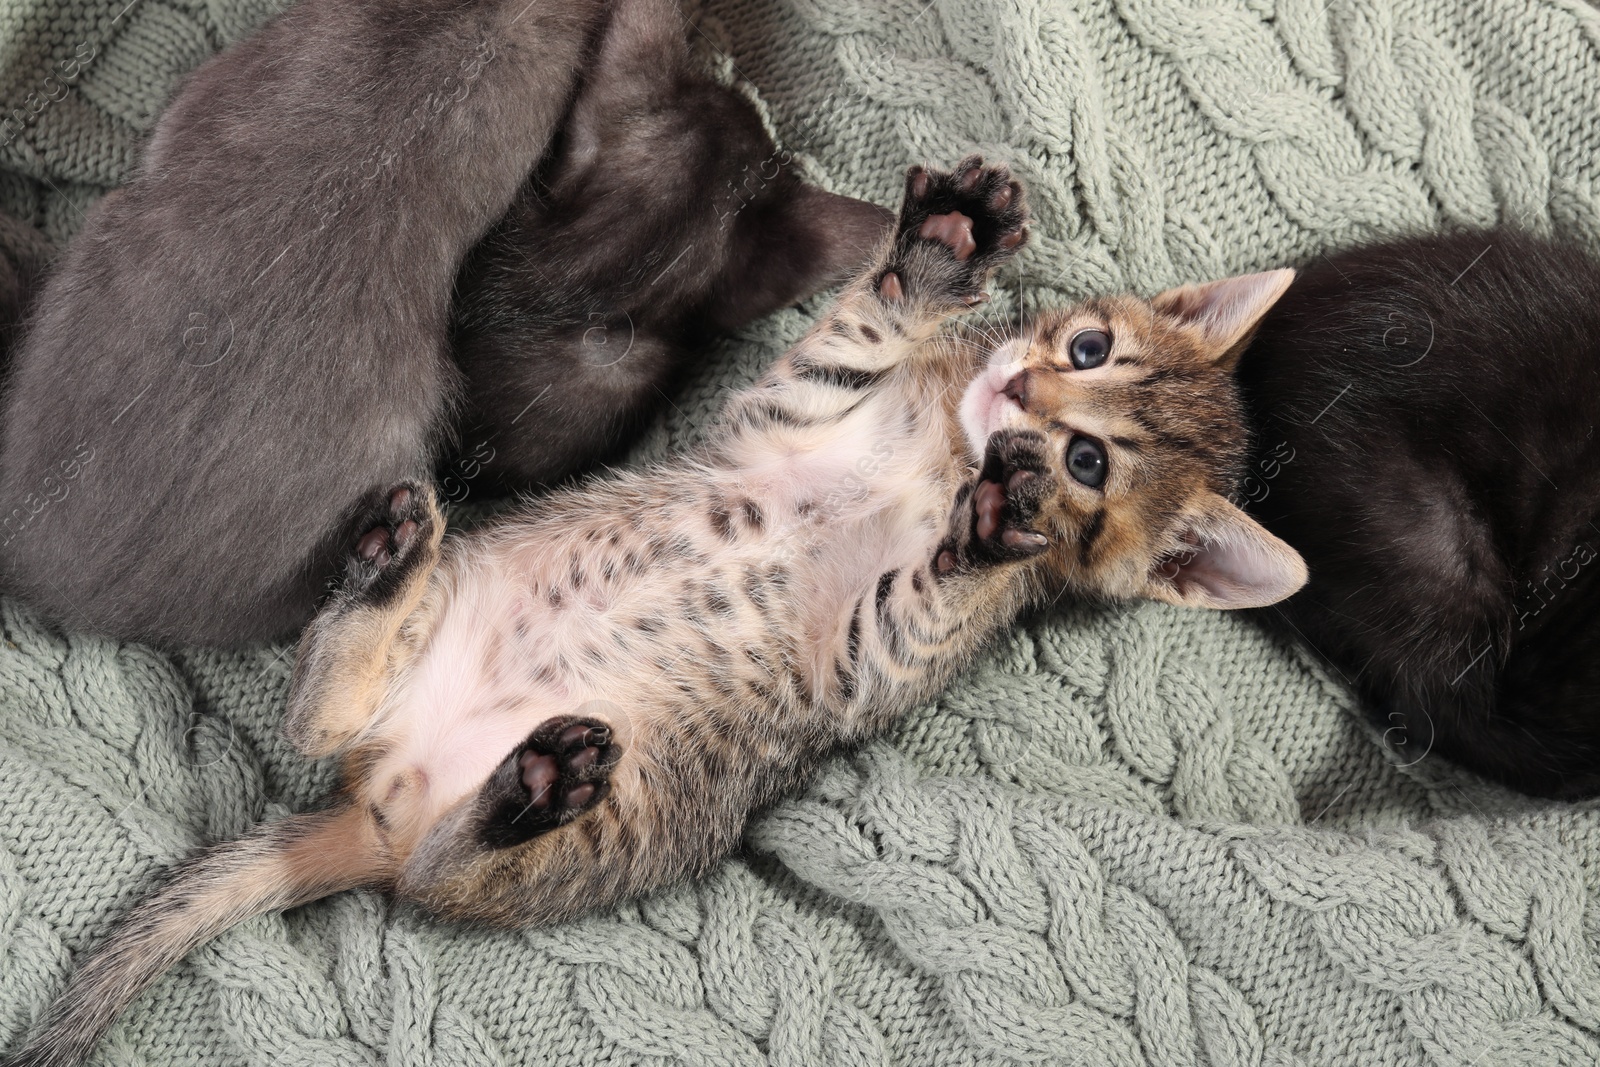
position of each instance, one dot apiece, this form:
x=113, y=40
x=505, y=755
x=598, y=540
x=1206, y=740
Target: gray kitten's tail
x=275, y=866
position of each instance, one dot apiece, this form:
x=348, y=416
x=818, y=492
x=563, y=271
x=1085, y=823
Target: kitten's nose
x=1017, y=389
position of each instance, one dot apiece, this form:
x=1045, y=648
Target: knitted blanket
x=1128, y=836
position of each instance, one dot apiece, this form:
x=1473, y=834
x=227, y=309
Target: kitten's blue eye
x=1086, y=462
x=1089, y=348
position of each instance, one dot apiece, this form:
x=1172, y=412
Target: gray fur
x=667, y=214
x=251, y=336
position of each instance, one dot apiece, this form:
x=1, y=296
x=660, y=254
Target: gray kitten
x=253, y=336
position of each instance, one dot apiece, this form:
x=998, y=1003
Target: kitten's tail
x=279, y=865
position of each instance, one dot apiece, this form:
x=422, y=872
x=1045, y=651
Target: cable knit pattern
x=1135, y=836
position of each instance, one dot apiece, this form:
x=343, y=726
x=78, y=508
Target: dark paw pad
x=386, y=534
x=397, y=525
x=995, y=516
x=562, y=771
x=954, y=229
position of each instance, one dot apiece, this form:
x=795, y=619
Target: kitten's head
x=1115, y=429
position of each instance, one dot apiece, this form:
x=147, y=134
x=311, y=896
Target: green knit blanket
x=1128, y=836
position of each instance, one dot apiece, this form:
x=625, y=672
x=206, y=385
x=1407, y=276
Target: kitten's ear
x=1227, y=311
x=789, y=247
x=1231, y=562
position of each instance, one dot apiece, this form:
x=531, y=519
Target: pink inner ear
x=1192, y=301
x=1226, y=309
x=1211, y=570
x=1236, y=573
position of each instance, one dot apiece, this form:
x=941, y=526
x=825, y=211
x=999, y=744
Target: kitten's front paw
x=954, y=229
x=995, y=515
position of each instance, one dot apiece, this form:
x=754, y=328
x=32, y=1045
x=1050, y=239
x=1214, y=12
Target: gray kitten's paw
x=955, y=228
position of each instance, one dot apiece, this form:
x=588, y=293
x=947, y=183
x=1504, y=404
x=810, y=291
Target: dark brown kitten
x=251, y=337
x=666, y=214
x=1425, y=416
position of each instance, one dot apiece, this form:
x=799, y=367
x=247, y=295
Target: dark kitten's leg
x=667, y=215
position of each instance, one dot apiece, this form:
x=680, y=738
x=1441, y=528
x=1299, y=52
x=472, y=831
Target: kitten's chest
x=711, y=587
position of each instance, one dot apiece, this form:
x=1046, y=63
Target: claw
x=970, y=177
x=1023, y=539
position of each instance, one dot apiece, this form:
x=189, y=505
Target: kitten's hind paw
x=561, y=771
x=390, y=546
x=954, y=229
x=390, y=536
x=995, y=515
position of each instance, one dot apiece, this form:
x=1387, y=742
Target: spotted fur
x=663, y=651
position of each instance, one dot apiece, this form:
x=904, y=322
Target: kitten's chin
x=984, y=406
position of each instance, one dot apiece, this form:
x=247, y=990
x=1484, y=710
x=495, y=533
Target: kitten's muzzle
x=985, y=408
x=1016, y=389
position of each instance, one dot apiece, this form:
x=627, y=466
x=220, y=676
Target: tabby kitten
x=256, y=328
x=1426, y=414
x=585, y=701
